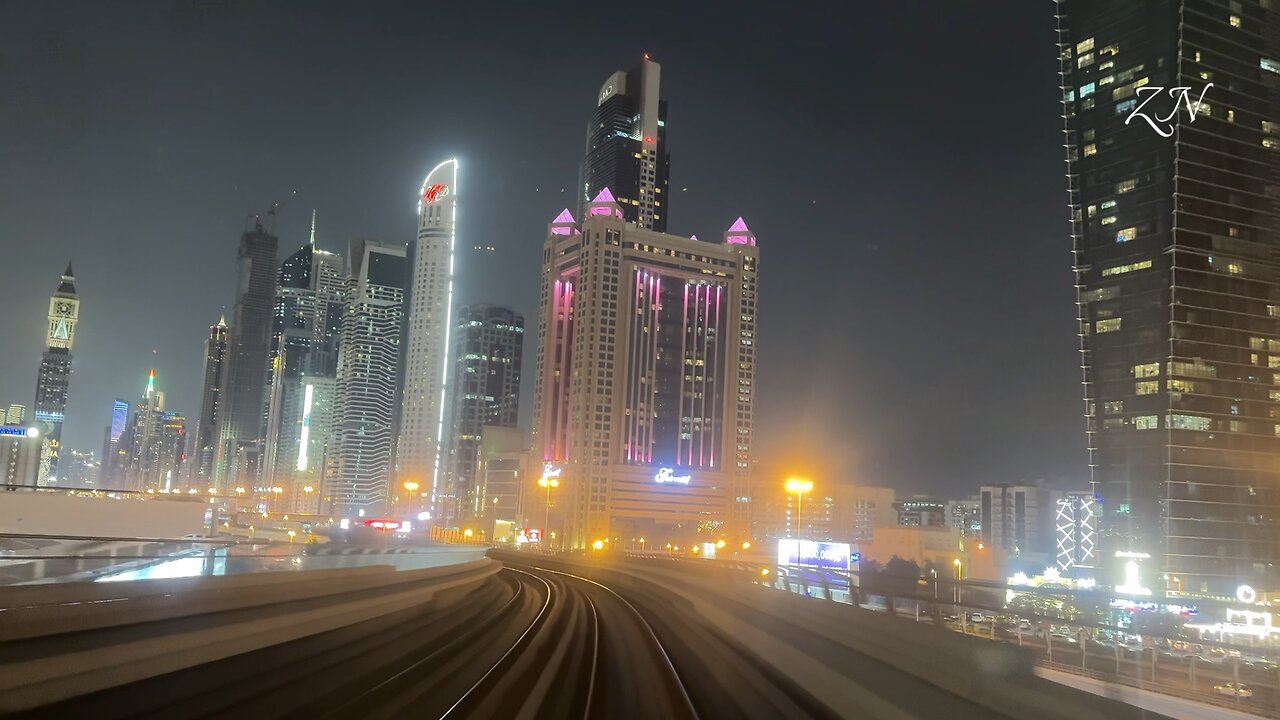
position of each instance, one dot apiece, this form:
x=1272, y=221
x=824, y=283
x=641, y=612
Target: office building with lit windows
x=1175, y=218
x=627, y=147
x=645, y=376
x=368, y=372
x=310, y=298
x=487, y=344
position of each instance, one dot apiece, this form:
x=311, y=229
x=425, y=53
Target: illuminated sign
x=382, y=524
x=667, y=475
x=19, y=431
x=708, y=551
x=432, y=193
x=550, y=471
x=1246, y=595
x=810, y=553
x=1132, y=584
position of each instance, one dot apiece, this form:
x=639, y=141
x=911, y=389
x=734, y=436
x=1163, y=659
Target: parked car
x=1238, y=690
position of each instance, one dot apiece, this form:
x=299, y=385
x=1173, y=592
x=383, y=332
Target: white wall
x=54, y=513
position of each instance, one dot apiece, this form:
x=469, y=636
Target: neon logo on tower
x=667, y=475
x=432, y=193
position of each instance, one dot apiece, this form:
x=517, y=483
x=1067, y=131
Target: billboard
x=814, y=554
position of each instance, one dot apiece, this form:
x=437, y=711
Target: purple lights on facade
x=555, y=445
x=604, y=204
x=700, y=354
x=564, y=224
x=740, y=234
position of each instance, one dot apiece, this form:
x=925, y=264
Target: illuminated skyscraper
x=424, y=360
x=241, y=409
x=115, y=450
x=488, y=342
x=368, y=371
x=212, y=390
x=1175, y=222
x=645, y=379
x=157, y=443
x=627, y=147
x=310, y=299
x=55, y=374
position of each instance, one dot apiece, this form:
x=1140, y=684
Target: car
x=1237, y=690
x=977, y=617
x=1065, y=638
x=951, y=617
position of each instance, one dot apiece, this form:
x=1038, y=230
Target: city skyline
x=1009, y=260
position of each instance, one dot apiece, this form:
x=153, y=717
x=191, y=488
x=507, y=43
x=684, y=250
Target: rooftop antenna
x=313, y=227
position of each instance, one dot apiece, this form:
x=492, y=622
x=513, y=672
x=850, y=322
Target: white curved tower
x=426, y=340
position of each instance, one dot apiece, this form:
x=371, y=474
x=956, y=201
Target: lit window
x=1146, y=422
x=1091, y=210
x=1108, y=204
x=1084, y=45
x=1126, y=106
x=1270, y=128
x=1090, y=149
x=1235, y=21
x=1083, y=60
x=1273, y=310
x=1146, y=387
x=1269, y=65
x=1182, y=386
x=1086, y=90
x=1125, y=186
x=1125, y=235
x=1106, y=80
x=1270, y=143
x=1109, y=220
x=1113, y=407
x=1088, y=134
x=1189, y=422
x=1122, y=269
x=1109, y=50
x=1108, y=325
x=1146, y=370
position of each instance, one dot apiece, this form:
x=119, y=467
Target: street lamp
x=548, y=481
x=799, y=487
x=412, y=487
x=956, y=562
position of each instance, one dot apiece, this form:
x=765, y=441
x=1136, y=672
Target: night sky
x=902, y=167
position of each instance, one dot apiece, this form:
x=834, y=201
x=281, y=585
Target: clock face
x=64, y=308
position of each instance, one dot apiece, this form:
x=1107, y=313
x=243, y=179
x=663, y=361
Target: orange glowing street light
x=799, y=487
x=549, y=481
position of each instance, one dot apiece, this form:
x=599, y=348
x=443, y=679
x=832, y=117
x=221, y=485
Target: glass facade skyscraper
x=1172, y=125
x=488, y=342
x=240, y=420
x=627, y=147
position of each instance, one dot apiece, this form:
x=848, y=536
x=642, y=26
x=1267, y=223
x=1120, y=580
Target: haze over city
x=916, y=316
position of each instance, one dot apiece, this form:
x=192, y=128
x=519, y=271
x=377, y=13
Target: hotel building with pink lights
x=644, y=383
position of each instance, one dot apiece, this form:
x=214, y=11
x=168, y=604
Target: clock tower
x=55, y=374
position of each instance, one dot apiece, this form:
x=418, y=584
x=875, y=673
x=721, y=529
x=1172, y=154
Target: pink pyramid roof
x=564, y=217
x=604, y=196
x=739, y=225
x=693, y=237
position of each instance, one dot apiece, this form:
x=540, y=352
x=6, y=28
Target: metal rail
x=653, y=636
x=537, y=621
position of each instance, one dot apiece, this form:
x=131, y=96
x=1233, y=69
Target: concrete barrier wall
x=63, y=641
x=55, y=513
